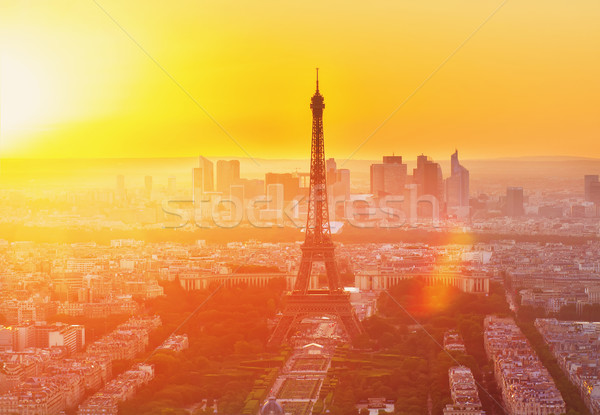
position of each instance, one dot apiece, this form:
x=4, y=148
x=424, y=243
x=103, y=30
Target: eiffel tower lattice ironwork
x=318, y=247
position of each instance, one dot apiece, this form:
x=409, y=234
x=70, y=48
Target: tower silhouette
x=317, y=247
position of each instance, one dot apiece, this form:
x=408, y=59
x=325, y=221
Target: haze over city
x=305, y=208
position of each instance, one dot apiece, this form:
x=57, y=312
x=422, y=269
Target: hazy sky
x=74, y=84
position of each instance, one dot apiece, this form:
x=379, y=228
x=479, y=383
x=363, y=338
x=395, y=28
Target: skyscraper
x=331, y=171
x=207, y=173
x=419, y=172
x=514, y=202
x=237, y=194
x=197, y=184
x=428, y=178
x=457, y=188
x=342, y=186
x=275, y=197
x=252, y=187
x=595, y=193
x=228, y=173
x=389, y=177
x=120, y=192
x=290, y=183
x=592, y=188
x=148, y=187
x=432, y=184
x=172, y=186
x=392, y=159
x=338, y=182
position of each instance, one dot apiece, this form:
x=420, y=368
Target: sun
x=24, y=98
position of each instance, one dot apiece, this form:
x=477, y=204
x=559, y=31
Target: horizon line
x=289, y=158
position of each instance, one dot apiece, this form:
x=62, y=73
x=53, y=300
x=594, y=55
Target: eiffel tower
x=318, y=247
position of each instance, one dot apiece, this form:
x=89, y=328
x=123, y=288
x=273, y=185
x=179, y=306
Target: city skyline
x=176, y=239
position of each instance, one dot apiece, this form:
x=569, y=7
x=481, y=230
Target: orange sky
x=74, y=85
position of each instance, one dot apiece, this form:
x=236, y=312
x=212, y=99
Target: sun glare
x=23, y=97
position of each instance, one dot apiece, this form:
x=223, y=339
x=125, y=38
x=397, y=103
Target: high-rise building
x=595, y=193
x=290, y=183
x=275, y=196
x=392, y=159
x=429, y=181
x=228, y=173
x=237, y=194
x=514, y=202
x=592, y=188
x=432, y=184
x=120, y=191
x=343, y=179
x=338, y=188
x=389, y=177
x=172, y=185
x=237, y=206
x=419, y=172
x=428, y=178
x=331, y=171
x=197, y=184
x=252, y=187
x=457, y=188
x=207, y=173
x=338, y=181
x=148, y=187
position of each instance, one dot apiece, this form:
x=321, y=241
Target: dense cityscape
x=508, y=311
x=184, y=232
x=494, y=314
